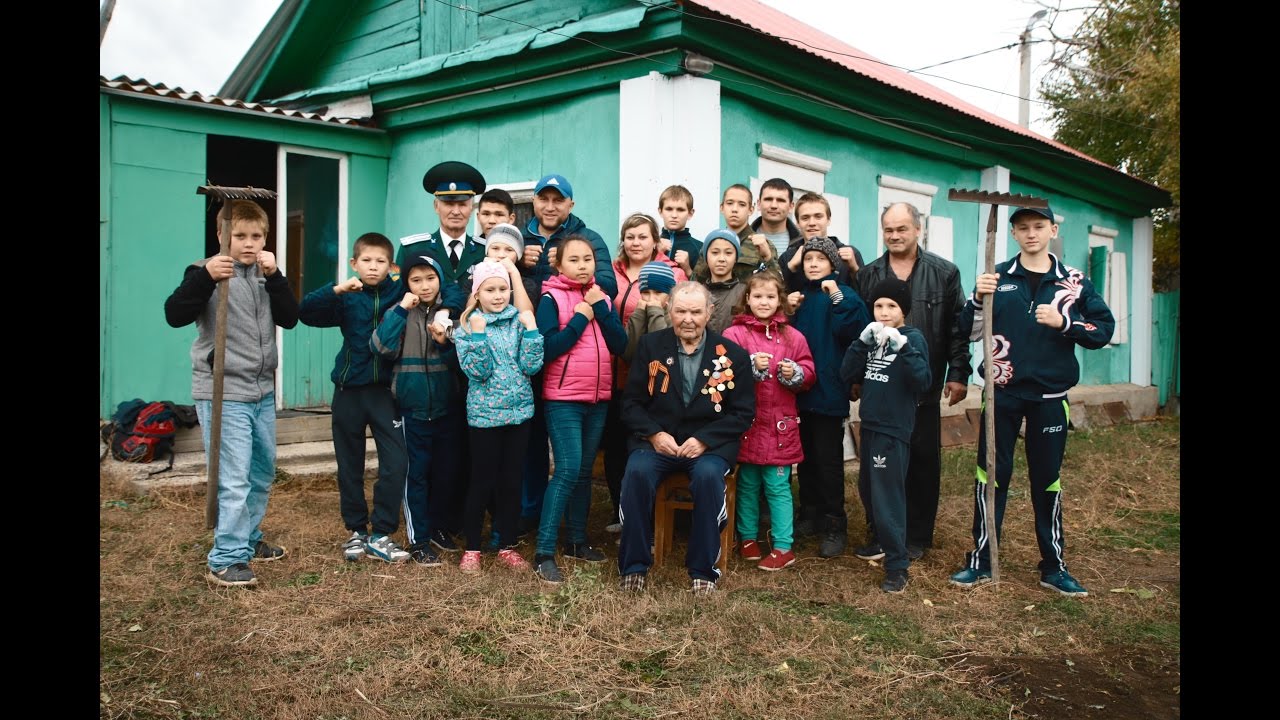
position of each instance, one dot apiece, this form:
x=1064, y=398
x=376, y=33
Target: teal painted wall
x=155, y=229
x=576, y=137
x=372, y=36
x=152, y=159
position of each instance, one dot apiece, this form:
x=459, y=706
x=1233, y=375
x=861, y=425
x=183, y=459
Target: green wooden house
x=342, y=106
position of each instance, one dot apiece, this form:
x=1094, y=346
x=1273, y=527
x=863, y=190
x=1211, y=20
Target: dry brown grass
x=321, y=638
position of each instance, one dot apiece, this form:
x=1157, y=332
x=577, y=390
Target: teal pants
x=776, y=483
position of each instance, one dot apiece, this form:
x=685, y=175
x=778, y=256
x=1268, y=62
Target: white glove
x=896, y=339
x=871, y=334
x=442, y=319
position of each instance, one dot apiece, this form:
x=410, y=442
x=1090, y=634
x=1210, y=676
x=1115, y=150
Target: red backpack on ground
x=141, y=431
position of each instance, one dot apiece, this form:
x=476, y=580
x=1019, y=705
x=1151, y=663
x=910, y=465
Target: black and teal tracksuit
x=1034, y=367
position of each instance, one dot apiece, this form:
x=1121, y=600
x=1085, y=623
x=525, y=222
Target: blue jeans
x=575, y=429
x=246, y=469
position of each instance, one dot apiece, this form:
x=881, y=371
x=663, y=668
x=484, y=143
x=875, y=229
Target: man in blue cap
x=454, y=186
x=552, y=221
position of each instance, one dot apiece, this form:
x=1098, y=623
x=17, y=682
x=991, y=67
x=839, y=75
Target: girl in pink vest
x=783, y=367
x=581, y=332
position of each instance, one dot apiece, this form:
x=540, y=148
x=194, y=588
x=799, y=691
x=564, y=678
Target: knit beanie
x=722, y=234
x=507, y=233
x=657, y=275
x=414, y=261
x=484, y=270
x=826, y=247
x=894, y=289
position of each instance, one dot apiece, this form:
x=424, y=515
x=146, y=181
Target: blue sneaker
x=1064, y=584
x=384, y=548
x=968, y=577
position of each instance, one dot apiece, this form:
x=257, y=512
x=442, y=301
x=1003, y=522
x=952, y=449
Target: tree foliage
x=1114, y=89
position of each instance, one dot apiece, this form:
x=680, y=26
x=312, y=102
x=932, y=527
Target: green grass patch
x=1143, y=529
x=482, y=646
x=889, y=633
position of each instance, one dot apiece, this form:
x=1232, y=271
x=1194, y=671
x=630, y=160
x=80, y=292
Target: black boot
x=837, y=535
x=806, y=523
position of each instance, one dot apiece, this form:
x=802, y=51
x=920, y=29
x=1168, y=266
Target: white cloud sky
x=195, y=44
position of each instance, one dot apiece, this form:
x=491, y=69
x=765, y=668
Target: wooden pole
x=989, y=401
x=219, y=361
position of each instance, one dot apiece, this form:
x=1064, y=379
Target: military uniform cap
x=453, y=180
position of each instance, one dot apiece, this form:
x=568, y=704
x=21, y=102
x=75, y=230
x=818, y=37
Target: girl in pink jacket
x=783, y=367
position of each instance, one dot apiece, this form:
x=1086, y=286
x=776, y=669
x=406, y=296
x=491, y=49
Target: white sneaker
x=613, y=528
x=383, y=547
x=353, y=548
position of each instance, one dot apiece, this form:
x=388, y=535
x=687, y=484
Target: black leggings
x=497, y=466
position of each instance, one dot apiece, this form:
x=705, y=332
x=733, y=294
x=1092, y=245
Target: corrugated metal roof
x=815, y=42
x=142, y=87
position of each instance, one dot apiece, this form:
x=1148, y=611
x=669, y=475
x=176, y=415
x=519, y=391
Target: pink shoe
x=470, y=562
x=513, y=560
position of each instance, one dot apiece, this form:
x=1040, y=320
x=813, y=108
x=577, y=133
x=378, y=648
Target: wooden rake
x=221, y=194
x=995, y=200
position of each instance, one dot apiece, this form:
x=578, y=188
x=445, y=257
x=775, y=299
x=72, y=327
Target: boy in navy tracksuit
x=889, y=364
x=1043, y=309
x=362, y=397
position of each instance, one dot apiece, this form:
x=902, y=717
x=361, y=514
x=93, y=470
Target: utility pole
x=1024, y=64
x=104, y=17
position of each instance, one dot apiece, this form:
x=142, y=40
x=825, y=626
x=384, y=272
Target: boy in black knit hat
x=890, y=361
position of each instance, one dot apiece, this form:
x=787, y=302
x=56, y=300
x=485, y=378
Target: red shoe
x=513, y=560
x=470, y=562
x=777, y=560
x=749, y=550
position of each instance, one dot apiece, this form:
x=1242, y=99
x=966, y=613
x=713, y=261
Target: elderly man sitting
x=690, y=396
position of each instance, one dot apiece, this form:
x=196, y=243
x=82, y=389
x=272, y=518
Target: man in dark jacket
x=690, y=396
x=553, y=221
x=936, y=300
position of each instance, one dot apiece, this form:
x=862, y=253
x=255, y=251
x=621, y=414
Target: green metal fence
x=1166, y=368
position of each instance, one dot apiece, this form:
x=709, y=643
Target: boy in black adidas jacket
x=1043, y=309
x=890, y=361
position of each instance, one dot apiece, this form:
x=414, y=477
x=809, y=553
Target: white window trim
x=791, y=157
x=911, y=186
x=282, y=222
x=1115, y=285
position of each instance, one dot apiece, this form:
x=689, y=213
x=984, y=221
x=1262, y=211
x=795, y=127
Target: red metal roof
x=142, y=87
x=815, y=42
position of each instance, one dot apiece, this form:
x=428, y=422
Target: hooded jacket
x=423, y=378
x=255, y=306
x=829, y=328
x=774, y=435
x=498, y=361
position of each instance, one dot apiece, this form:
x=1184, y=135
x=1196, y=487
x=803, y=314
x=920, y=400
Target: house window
x=521, y=200
x=1108, y=271
x=806, y=173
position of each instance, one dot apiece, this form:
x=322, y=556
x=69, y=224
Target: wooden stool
x=673, y=494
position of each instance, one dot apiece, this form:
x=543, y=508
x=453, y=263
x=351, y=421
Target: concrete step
x=296, y=459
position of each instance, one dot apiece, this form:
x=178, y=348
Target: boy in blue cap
x=1043, y=310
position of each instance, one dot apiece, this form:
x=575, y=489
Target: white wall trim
x=897, y=183
x=1104, y=231
x=1140, y=344
x=520, y=192
x=1058, y=219
x=657, y=145
x=791, y=157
